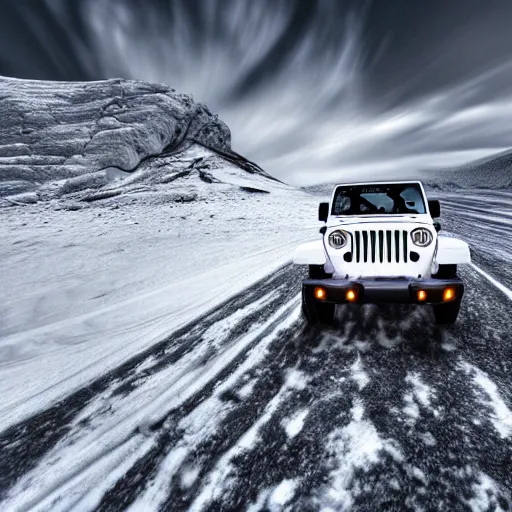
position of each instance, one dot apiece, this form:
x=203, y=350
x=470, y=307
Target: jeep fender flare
x=452, y=251
x=310, y=253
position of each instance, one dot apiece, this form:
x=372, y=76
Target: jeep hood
x=375, y=219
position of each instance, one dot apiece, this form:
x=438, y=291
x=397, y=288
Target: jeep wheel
x=446, y=272
x=318, y=272
x=316, y=312
x=446, y=314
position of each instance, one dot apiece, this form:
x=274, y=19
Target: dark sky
x=312, y=90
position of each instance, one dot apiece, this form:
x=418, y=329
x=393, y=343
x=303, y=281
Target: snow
x=217, y=482
x=189, y=476
x=153, y=496
x=356, y=445
x=419, y=475
x=411, y=408
x=246, y=390
x=85, y=290
x=358, y=374
x=98, y=448
x=99, y=264
x=282, y=494
x=419, y=395
x=421, y=391
x=95, y=474
x=502, y=414
x=219, y=330
x=485, y=491
x=204, y=420
x=486, y=217
x=259, y=504
x=427, y=438
x=294, y=425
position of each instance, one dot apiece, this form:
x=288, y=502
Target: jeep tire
x=446, y=314
x=446, y=272
x=316, y=312
x=318, y=272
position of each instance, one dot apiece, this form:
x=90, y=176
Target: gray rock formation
x=73, y=134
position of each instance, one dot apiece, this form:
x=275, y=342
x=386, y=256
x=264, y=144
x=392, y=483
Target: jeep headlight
x=338, y=239
x=421, y=237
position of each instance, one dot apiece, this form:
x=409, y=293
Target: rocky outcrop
x=51, y=131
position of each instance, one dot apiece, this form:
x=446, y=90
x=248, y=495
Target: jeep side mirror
x=435, y=208
x=437, y=226
x=323, y=212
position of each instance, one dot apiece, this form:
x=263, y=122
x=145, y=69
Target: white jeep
x=381, y=245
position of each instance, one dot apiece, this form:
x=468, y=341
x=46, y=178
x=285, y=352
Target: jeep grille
x=374, y=246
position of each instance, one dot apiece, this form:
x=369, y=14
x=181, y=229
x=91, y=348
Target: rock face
x=51, y=131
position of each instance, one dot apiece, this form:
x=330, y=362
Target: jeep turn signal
x=320, y=293
x=422, y=295
x=448, y=294
x=351, y=295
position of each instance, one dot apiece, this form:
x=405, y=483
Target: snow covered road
x=248, y=408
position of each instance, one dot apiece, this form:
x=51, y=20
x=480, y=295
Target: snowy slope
x=494, y=172
x=85, y=289
x=126, y=214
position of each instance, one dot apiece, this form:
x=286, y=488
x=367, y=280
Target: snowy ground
x=120, y=392
x=85, y=290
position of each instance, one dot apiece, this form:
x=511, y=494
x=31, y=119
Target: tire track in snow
x=359, y=373
x=172, y=428
x=405, y=469
x=332, y=364
x=437, y=461
x=22, y=445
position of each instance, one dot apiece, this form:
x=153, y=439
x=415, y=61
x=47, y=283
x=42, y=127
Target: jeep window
x=395, y=198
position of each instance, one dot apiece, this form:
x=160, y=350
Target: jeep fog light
x=320, y=293
x=422, y=295
x=448, y=294
x=351, y=295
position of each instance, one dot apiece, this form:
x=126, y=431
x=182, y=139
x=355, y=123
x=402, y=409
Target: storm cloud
x=313, y=91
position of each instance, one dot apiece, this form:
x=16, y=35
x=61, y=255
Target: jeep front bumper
x=381, y=290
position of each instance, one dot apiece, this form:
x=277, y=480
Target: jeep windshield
x=395, y=198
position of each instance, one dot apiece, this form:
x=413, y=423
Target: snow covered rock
x=81, y=135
